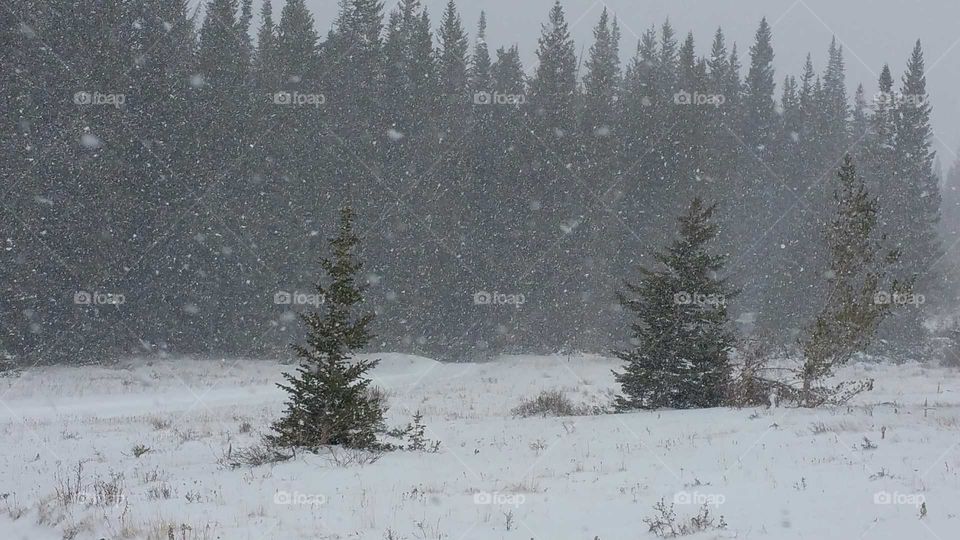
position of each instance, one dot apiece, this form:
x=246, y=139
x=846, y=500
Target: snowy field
x=69, y=468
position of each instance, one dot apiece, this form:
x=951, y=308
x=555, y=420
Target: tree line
x=171, y=178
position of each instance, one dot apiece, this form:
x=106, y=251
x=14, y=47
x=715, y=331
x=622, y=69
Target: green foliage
x=858, y=275
x=329, y=400
x=682, y=342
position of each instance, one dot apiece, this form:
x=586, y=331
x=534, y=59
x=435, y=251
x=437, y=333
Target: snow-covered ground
x=772, y=473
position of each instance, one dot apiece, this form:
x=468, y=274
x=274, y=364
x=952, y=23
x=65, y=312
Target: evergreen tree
x=681, y=334
x=329, y=401
x=554, y=86
x=296, y=44
x=507, y=221
x=480, y=75
x=719, y=120
x=599, y=161
x=639, y=96
x=411, y=92
x=265, y=59
x=758, y=100
x=222, y=46
x=666, y=64
x=762, y=196
x=353, y=58
x=835, y=107
x=601, y=91
x=723, y=136
x=684, y=172
x=557, y=196
x=860, y=122
x=911, y=210
x=484, y=134
x=880, y=143
x=299, y=162
x=509, y=79
x=452, y=66
x=859, y=281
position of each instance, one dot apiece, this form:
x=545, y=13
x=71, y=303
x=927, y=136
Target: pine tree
x=836, y=108
x=553, y=88
x=480, y=75
x=296, y=43
x=453, y=80
x=762, y=197
x=723, y=134
x=601, y=89
x=686, y=139
x=759, y=102
x=911, y=203
x=329, y=401
x=265, y=59
x=599, y=161
x=681, y=335
x=411, y=92
x=353, y=58
x=666, y=64
x=859, y=281
x=509, y=78
x=916, y=185
x=484, y=133
x=860, y=123
x=221, y=52
x=882, y=137
x=639, y=96
x=718, y=120
x=557, y=196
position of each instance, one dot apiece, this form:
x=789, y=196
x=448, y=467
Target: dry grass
x=550, y=403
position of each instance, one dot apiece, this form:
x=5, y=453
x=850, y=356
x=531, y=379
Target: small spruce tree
x=858, y=302
x=681, y=334
x=329, y=400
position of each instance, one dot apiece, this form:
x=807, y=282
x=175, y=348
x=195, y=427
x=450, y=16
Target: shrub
x=252, y=456
x=550, y=403
x=665, y=523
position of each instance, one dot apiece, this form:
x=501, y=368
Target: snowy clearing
x=856, y=472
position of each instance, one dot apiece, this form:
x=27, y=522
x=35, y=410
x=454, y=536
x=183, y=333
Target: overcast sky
x=872, y=31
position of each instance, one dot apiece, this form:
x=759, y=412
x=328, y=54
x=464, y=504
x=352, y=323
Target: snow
x=773, y=473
